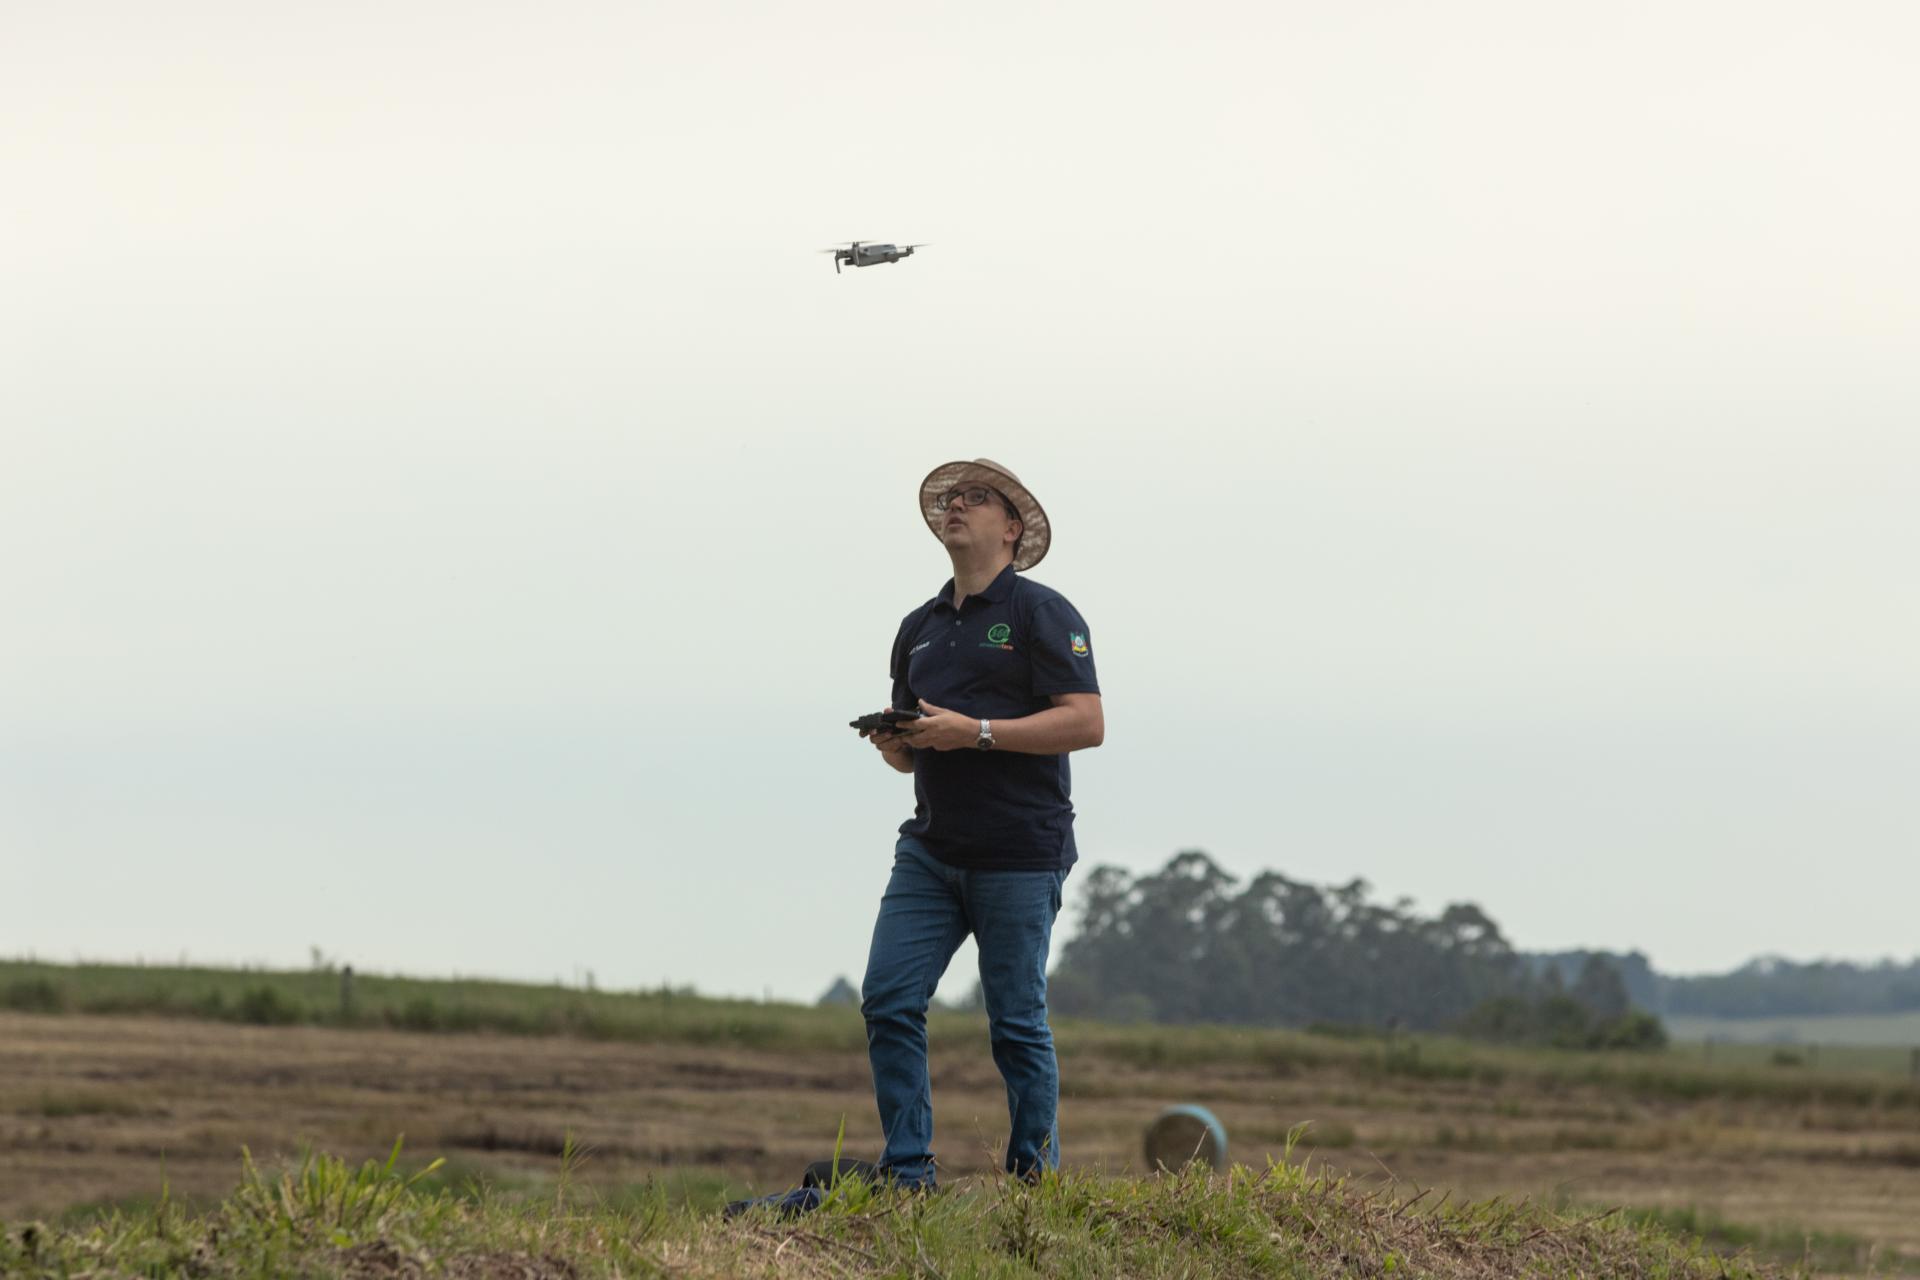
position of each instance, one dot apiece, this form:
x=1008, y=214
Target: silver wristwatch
x=985, y=740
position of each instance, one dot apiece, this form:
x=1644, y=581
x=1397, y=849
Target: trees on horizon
x=1191, y=943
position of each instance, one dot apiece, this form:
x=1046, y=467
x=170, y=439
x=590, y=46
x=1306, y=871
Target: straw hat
x=1035, y=533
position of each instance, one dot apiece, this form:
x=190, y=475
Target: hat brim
x=1035, y=533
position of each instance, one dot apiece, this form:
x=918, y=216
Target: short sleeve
x=897, y=666
x=1062, y=649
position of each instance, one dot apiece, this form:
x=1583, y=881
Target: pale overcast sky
x=449, y=510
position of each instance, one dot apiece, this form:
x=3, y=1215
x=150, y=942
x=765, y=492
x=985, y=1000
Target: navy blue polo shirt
x=998, y=657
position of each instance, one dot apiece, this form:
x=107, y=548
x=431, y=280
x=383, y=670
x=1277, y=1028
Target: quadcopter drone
x=859, y=253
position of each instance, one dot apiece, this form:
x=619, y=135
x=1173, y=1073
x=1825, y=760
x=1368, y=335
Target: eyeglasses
x=977, y=496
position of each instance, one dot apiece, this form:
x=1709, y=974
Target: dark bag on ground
x=812, y=1191
x=821, y=1173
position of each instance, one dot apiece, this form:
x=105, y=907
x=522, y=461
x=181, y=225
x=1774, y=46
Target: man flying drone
x=860, y=253
x=993, y=688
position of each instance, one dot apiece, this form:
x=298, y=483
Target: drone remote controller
x=883, y=720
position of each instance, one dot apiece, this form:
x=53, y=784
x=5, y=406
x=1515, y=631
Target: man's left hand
x=941, y=729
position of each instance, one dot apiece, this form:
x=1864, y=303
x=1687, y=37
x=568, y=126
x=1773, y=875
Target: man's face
x=976, y=516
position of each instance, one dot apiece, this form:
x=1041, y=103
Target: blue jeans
x=928, y=911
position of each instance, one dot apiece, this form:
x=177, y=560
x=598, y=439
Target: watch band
x=985, y=740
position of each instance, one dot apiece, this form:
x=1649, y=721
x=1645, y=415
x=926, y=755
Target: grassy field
x=324, y=1217
x=303, y=998
x=102, y=1102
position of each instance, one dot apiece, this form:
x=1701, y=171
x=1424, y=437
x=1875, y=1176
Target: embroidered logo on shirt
x=917, y=648
x=999, y=632
x=1079, y=641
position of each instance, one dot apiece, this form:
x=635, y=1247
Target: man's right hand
x=892, y=746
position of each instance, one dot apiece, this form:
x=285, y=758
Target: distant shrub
x=1634, y=1030
x=460, y=1017
x=265, y=1006
x=422, y=1013
x=1344, y=1031
x=34, y=995
x=1568, y=1023
x=1507, y=1019
x=1560, y=1022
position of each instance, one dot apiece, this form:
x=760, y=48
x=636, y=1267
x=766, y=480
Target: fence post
x=346, y=993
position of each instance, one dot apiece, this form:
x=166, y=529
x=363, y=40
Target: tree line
x=1772, y=987
x=1191, y=943
x=1768, y=986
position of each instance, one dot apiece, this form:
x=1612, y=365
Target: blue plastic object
x=1186, y=1133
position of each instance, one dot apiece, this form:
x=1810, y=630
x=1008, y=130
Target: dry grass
x=101, y=1110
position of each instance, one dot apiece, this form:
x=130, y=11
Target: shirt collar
x=993, y=593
